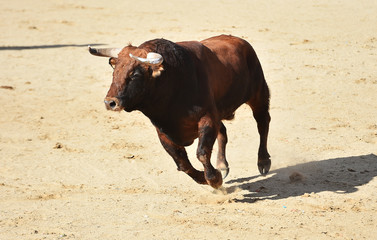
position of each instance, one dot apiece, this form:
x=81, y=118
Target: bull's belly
x=226, y=109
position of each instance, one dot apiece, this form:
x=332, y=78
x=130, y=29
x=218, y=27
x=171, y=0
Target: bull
x=186, y=89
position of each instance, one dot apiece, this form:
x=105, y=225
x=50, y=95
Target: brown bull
x=186, y=89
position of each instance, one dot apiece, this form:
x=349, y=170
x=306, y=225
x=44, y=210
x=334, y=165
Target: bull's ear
x=157, y=70
x=112, y=62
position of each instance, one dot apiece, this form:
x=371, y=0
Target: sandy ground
x=71, y=170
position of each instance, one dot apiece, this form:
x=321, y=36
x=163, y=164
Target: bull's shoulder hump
x=191, y=45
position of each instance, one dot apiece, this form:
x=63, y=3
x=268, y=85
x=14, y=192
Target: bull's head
x=132, y=77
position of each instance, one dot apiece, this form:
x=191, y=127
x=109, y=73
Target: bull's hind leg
x=263, y=121
x=261, y=114
x=178, y=153
x=222, y=140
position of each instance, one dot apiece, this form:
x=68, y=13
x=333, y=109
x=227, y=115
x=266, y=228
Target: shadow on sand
x=339, y=175
x=2, y=48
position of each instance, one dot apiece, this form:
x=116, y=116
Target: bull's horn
x=105, y=52
x=152, y=58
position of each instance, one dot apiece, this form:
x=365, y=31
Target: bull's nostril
x=112, y=104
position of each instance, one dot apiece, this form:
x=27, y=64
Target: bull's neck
x=157, y=107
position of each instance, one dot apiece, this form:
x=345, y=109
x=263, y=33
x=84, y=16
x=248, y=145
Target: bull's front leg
x=208, y=129
x=178, y=153
x=222, y=140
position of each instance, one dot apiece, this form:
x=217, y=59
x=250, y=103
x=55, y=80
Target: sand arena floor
x=69, y=169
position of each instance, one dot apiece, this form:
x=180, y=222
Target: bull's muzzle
x=112, y=104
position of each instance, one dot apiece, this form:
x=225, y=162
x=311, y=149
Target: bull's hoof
x=224, y=172
x=215, y=181
x=264, y=166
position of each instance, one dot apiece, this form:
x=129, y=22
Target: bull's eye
x=136, y=74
